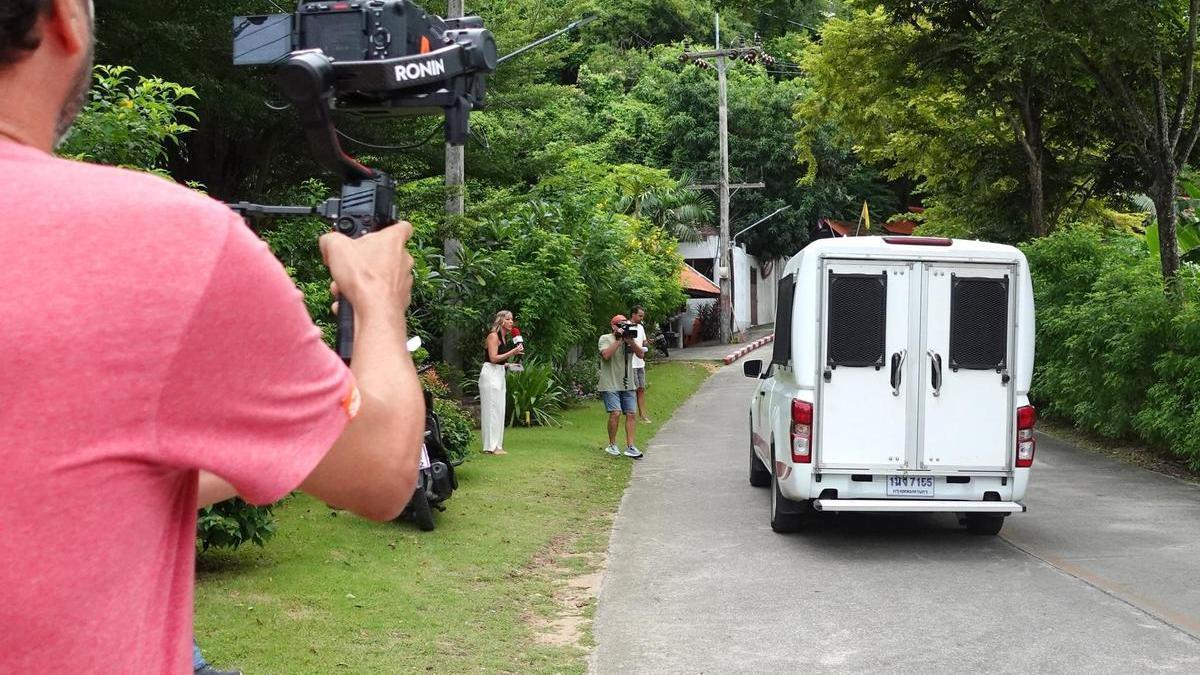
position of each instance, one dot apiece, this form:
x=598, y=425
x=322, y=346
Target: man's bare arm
x=213, y=489
x=372, y=467
x=636, y=348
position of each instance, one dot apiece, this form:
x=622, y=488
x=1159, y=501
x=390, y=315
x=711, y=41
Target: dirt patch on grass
x=576, y=577
x=1146, y=458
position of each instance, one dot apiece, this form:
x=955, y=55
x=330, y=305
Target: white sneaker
x=613, y=450
x=633, y=452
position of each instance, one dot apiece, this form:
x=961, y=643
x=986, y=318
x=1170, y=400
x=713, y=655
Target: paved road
x=1102, y=575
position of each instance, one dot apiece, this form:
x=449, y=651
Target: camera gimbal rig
x=377, y=57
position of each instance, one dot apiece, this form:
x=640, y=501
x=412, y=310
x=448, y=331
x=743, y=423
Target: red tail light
x=1026, y=443
x=802, y=424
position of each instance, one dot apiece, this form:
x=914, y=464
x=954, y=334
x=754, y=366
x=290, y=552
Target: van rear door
x=966, y=398
x=863, y=394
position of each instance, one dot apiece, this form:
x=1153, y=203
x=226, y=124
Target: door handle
x=898, y=370
x=935, y=361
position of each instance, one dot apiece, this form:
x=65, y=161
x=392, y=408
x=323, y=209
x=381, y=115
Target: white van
x=898, y=382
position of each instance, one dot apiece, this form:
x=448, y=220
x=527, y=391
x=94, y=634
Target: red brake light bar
x=919, y=241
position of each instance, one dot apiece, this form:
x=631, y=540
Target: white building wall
x=700, y=249
x=744, y=265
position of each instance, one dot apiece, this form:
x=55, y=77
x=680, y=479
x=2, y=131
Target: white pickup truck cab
x=898, y=382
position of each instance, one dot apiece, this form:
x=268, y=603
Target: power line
x=411, y=146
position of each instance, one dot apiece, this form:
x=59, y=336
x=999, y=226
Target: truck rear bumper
x=916, y=506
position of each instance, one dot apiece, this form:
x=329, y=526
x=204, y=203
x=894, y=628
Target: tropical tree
x=1148, y=88
x=967, y=98
x=676, y=206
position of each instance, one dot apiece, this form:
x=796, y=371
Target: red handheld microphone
x=515, y=364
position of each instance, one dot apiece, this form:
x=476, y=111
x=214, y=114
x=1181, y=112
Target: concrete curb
x=749, y=348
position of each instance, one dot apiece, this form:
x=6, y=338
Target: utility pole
x=723, y=189
x=455, y=208
x=750, y=53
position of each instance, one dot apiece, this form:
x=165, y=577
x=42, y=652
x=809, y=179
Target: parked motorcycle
x=664, y=339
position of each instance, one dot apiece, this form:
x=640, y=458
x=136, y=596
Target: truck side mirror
x=752, y=368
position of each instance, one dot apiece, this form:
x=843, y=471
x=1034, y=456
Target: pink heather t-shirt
x=147, y=333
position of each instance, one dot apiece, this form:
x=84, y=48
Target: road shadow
x=880, y=536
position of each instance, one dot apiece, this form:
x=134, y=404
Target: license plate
x=910, y=486
x=425, y=458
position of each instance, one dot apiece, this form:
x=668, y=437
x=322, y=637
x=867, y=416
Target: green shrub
x=232, y=523
x=1113, y=355
x=453, y=376
x=457, y=428
x=129, y=122
x=1170, y=416
x=1102, y=321
x=534, y=397
x=710, y=321
x=579, y=380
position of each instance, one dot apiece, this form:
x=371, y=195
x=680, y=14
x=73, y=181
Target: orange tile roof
x=698, y=285
x=841, y=227
x=900, y=226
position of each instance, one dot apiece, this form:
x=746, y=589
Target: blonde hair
x=500, y=317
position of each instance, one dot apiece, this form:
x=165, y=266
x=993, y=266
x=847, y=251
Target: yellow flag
x=865, y=218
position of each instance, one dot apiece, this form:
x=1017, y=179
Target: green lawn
x=335, y=593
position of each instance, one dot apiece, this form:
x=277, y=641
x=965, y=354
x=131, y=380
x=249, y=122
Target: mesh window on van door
x=857, y=319
x=978, y=323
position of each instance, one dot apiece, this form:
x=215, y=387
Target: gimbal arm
x=307, y=80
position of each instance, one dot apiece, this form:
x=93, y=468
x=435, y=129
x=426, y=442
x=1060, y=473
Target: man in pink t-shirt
x=149, y=337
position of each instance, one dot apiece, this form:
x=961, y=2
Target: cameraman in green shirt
x=617, y=384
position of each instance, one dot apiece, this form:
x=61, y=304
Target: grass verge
x=502, y=585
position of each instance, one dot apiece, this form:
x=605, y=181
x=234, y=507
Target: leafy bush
x=534, y=397
x=128, y=122
x=710, y=321
x=432, y=382
x=457, y=428
x=451, y=375
x=579, y=380
x=1113, y=355
x=1102, y=321
x=232, y=523
x=561, y=257
x=1170, y=416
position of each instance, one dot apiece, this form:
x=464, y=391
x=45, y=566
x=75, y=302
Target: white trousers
x=492, y=400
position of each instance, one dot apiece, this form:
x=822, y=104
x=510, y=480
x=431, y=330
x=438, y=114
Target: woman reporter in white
x=492, y=399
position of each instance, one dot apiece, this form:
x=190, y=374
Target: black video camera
x=373, y=57
x=626, y=329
